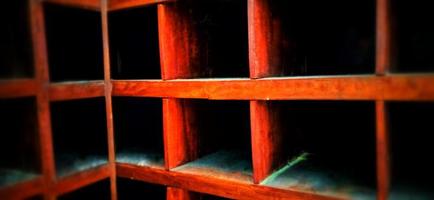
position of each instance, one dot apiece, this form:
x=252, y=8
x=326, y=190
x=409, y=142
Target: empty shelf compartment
x=138, y=130
x=79, y=134
x=16, y=54
x=412, y=36
x=223, y=137
x=134, y=47
x=410, y=149
x=213, y=36
x=19, y=141
x=321, y=37
x=326, y=147
x=74, y=42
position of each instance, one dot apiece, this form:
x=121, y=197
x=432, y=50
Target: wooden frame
x=178, y=67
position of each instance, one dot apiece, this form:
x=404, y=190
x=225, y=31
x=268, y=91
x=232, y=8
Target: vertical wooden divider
x=43, y=101
x=383, y=62
x=266, y=139
x=178, y=53
x=108, y=99
x=264, y=40
x=263, y=56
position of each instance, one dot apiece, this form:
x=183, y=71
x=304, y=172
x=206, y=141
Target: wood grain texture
x=76, y=90
x=81, y=179
x=107, y=90
x=43, y=100
x=266, y=139
x=17, y=88
x=84, y=4
x=180, y=136
x=211, y=185
x=382, y=67
x=383, y=158
x=23, y=190
x=126, y=4
x=397, y=87
x=179, y=51
x=383, y=37
x=264, y=40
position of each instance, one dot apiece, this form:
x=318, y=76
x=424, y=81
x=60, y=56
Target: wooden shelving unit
x=216, y=99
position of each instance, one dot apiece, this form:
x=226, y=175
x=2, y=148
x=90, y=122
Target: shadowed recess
x=411, y=149
x=98, y=190
x=413, y=36
x=134, y=47
x=133, y=189
x=328, y=147
x=16, y=58
x=223, y=130
x=19, y=143
x=74, y=42
x=138, y=130
x=79, y=134
x=313, y=37
x=220, y=35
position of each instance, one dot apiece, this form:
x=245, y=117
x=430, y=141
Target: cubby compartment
x=217, y=37
x=412, y=36
x=98, y=190
x=223, y=137
x=134, y=47
x=411, y=129
x=19, y=142
x=16, y=58
x=79, y=134
x=312, y=37
x=133, y=189
x=138, y=130
x=325, y=147
x=74, y=42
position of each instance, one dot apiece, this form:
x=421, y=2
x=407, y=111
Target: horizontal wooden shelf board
x=126, y=4
x=148, y=159
x=393, y=87
x=215, y=186
x=320, y=180
x=85, y=4
x=17, y=88
x=68, y=165
x=76, y=90
x=23, y=189
x=81, y=179
x=222, y=164
x=14, y=176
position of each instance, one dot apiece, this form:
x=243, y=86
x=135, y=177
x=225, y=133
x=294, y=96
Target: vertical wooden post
x=179, y=57
x=266, y=139
x=383, y=46
x=108, y=99
x=180, y=135
x=264, y=36
x=179, y=47
x=383, y=62
x=383, y=174
x=43, y=100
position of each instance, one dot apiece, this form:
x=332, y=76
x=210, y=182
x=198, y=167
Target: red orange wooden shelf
x=211, y=79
